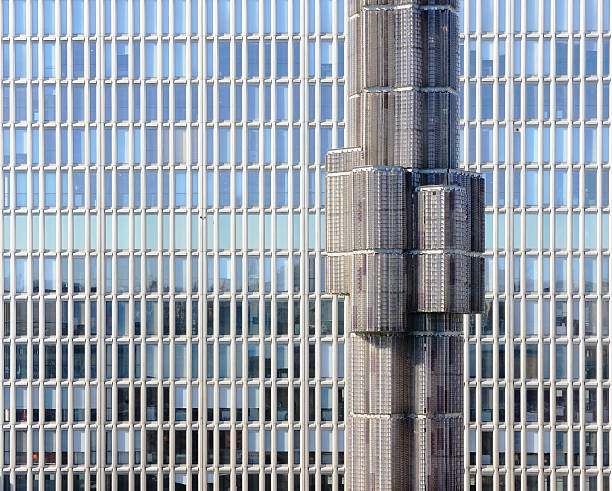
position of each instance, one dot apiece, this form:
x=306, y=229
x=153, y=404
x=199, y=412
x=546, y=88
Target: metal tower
x=404, y=237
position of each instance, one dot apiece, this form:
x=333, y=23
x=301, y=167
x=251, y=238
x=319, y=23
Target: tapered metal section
x=404, y=236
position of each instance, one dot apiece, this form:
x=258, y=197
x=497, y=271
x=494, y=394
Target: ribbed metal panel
x=441, y=134
x=477, y=279
x=378, y=35
x=442, y=48
x=380, y=370
x=338, y=274
x=432, y=323
x=401, y=48
x=343, y=160
x=377, y=120
x=379, y=210
x=404, y=229
x=353, y=112
x=408, y=47
x=379, y=292
x=435, y=454
x=442, y=282
x=409, y=129
x=435, y=374
x=338, y=188
x=381, y=450
x=442, y=220
x=474, y=187
x=353, y=53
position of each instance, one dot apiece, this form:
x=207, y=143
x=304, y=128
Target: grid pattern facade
x=536, y=124
x=165, y=322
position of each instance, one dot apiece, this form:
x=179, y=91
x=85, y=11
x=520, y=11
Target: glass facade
x=536, y=123
x=163, y=218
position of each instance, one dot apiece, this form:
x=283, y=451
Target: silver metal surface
x=404, y=237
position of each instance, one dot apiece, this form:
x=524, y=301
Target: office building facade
x=166, y=324
x=535, y=123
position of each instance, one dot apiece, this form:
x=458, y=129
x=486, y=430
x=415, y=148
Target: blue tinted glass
x=165, y=60
x=92, y=17
x=64, y=59
x=49, y=59
x=210, y=59
x=282, y=59
x=50, y=189
x=121, y=16
x=224, y=145
x=78, y=103
x=282, y=145
x=179, y=59
x=194, y=59
x=194, y=16
x=6, y=103
x=267, y=59
x=224, y=102
x=281, y=16
x=92, y=61
x=282, y=101
x=252, y=16
x=19, y=15
x=180, y=15
x=486, y=65
x=21, y=191
x=150, y=16
x=253, y=188
x=180, y=188
x=48, y=17
x=267, y=102
x=78, y=59
x=326, y=101
x=296, y=16
x=150, y=59
x=78, y=145
x=151, y=189
x=486, y=15
x=20, y=102
x=326, y=142
x=122, y=102
x=296, y=59
x=166, y=102
x=311, y=59
x=122, y=59
x=64, y=145
x=253, y=58
x=77, y=17
x=165, y=17
x=224, y=59
x=49, y=102
x=107, y=16
x=326, y=15
x=223, y=11
x=151, y=102
x=180, y=107
x=253, y=102
x=531, y=55
x=590, y=62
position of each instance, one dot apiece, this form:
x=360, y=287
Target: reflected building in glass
x=536, y=98
x=166, y=324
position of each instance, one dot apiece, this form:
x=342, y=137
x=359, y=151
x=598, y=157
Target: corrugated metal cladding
x=405, y=236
